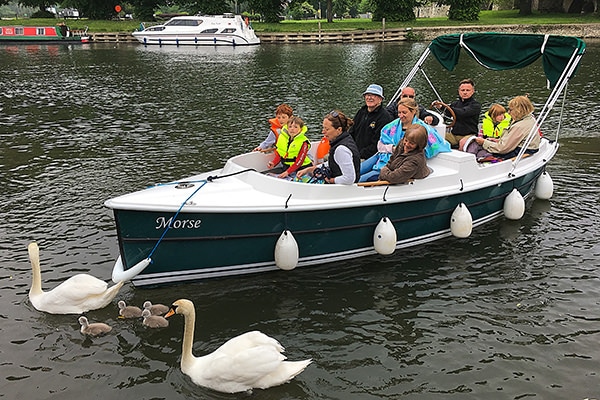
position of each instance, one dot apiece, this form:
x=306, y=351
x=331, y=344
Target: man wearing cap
x=369, y=120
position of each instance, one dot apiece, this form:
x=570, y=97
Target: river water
x=510, y=313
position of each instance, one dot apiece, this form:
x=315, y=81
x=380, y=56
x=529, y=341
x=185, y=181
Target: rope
x=204, y=182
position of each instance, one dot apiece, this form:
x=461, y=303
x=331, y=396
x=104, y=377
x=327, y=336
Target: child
x=291, y=148
x=408, y=160
x=495, y=120
x=282, y=115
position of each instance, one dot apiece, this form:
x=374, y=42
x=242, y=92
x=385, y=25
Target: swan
x=153, y=321
x=156, y=309
x=79, y=294
x=93, y=329
x=251, y=360
x=126, y=311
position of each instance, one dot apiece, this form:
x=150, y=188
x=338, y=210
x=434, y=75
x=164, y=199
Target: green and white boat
x=237, y=220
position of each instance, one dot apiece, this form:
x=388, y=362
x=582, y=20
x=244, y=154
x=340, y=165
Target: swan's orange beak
x=170, y=312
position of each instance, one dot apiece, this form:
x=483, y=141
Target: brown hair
x=495, y=110
x=339, y=120
x=296, y=120
x=520, y=106
x=417, y=134
x=284, y=109
x=467, y=81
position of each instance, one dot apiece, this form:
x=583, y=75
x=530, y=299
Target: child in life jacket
x=291, y=148
x=282, y=115
x=495, y=120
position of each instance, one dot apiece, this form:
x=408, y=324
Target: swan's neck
x=36, y=276
x=188, y=338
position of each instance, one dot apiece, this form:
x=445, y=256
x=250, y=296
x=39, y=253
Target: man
x=369, y=120
x=467, y=111
x=424, y=115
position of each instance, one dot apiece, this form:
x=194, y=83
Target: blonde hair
x=411, y=104
x=520, y=107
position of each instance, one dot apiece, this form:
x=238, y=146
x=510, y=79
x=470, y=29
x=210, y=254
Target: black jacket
x=367, y=129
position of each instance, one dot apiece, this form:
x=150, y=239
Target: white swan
x=93, y=329
x=76, y=295
x=155, y=309
x=126, y=311
x=153, y=321
x=251, y=360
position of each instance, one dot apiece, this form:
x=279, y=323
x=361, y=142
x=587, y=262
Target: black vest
x=344, y=140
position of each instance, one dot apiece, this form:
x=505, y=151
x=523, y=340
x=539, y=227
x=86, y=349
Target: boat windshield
x=184, y=22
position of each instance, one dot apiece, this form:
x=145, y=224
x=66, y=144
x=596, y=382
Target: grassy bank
x=505, y=17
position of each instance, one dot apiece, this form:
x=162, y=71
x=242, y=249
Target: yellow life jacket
x=492, y=130
x=289, y=150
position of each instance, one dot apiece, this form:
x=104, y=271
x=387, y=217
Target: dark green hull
x=202, y=245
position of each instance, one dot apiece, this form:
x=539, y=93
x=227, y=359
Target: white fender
x=384, y=238
x=461, y=222
x=514, y=205
x=286, y=251
x=119, y=274
x=544, y=187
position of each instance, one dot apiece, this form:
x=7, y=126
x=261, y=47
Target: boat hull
x=202, y=245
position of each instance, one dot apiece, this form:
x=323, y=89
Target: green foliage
x=209, y=7
x=302, y=11
x=464, y=10
x=394, y=10
x=269, y=9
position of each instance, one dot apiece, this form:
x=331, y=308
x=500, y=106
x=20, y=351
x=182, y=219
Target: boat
x=200, y=30
x=238, y=220
x=43, y=34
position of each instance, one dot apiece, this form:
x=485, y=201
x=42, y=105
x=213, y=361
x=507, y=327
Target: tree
x=525, y=7
x=464, y=10
x=209, y=7
x=145, y=9
x=394, y=10
x=42, y=4
x=269, y=9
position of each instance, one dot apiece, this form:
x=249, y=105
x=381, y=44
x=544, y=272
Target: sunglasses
x=408, y=95
x=335, y=114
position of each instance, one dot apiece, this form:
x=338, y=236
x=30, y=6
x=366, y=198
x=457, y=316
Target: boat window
x=40, y=32
x=156, y=28
x=184, y=22
x=228, y=30
x=212, y=30
x=19, y=30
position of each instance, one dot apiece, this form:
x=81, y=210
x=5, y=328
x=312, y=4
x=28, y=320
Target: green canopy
x=502, y=51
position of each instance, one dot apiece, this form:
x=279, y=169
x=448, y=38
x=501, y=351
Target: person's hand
x=283, y=175
x=305, y=171
x=257, y=149
x=270, y=165
x=330, y=180
x=437, y=104
x=428, y=119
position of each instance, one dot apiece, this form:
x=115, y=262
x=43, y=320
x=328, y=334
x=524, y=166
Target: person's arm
x=274, y=161
x=469, y=109
x=509, y=140
x=424, y=114
x=343, y=158
x=402, y=173
x=268, y=142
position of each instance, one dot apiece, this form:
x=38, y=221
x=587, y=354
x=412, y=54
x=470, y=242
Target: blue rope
x=174, y=218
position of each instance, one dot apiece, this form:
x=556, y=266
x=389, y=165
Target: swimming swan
x=251, y=360
x=76, y=295
x=93, y=329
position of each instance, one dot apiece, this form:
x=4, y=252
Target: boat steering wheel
x=449, y=120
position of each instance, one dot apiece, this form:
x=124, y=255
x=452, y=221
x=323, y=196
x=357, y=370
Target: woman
x=392, y=133
x=408, y=160
x=514, y=137
x=344, y=158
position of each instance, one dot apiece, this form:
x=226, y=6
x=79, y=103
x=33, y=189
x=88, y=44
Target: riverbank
x=583, y=31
